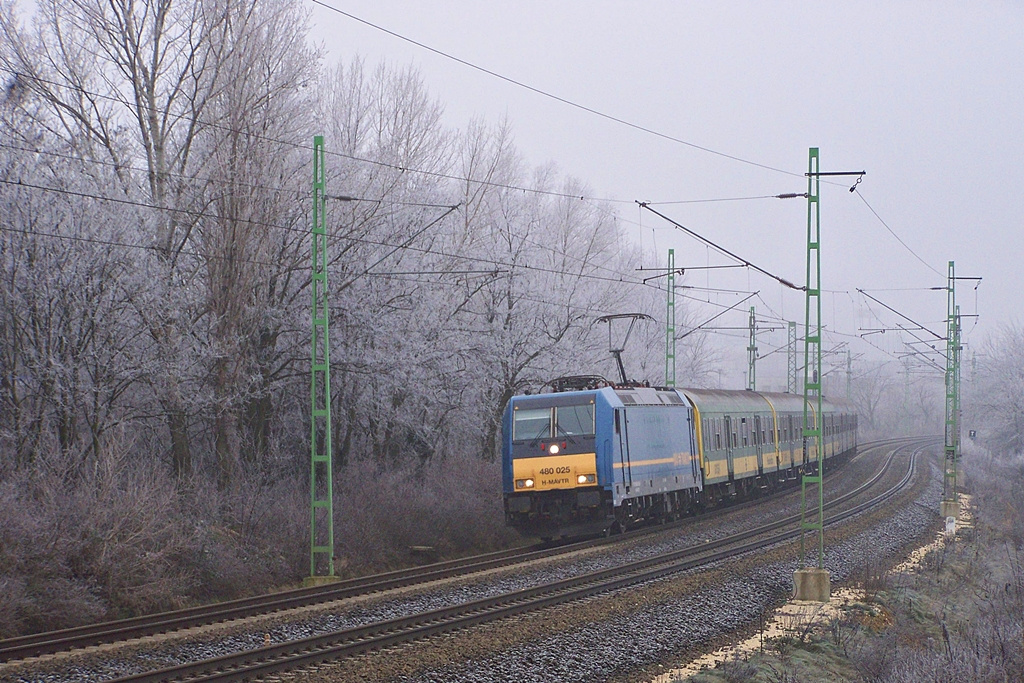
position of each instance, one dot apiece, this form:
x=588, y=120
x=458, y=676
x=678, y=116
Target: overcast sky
x=927, y=97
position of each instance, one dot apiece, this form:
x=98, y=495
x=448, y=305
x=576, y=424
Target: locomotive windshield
x=575, y=420
x=532, y=423
x=551, y=423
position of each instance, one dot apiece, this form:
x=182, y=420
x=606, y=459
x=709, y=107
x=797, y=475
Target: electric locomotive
x=592, y=457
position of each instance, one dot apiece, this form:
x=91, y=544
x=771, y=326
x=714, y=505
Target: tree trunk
x=181, y=452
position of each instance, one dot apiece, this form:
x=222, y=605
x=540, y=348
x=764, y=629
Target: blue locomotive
x=603, y=458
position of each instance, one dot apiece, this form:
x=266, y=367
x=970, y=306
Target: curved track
x=331, y=646
x=116, y=631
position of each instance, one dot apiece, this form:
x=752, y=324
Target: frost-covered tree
x=252, y=236
x=66, y=345
x=994, y=392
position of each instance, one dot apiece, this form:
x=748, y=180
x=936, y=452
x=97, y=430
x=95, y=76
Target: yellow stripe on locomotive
x=555, y=472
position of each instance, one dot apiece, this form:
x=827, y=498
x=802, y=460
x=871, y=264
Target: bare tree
x=869, y=390
x=131, y=84
x=65, y=354
x=386, y=382
x=252, y=243
x=995, y=397
x=558, y=257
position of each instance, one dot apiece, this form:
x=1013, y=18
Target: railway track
x=314, y=650
x=109, y=632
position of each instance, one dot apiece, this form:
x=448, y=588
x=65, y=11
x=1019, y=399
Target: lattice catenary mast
x=670, y=323
x=321, y=484
x=752, y=353
x=812, y=519
x=950, y=506
x=812, y=583
x=791, y=379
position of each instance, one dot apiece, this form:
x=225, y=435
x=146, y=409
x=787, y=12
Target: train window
x=531, y=423
x=574, y=420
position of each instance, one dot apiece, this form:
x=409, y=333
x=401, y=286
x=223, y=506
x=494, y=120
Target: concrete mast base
x=811, y=584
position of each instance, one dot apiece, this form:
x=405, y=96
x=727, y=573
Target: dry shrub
x=117, y=536
x=39, y=589
x=252, y=538
x=737, y=670
x=132, y=540
x=983, y=640
x=452, y=504
x=89, y=543
x=874, y=656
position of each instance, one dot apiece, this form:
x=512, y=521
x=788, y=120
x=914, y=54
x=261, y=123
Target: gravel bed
x=220, y=640
x=623, y=635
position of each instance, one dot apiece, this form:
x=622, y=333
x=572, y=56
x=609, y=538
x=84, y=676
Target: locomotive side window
x=532, y=423
x=574, y=420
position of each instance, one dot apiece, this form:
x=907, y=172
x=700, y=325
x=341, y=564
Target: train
x=593, y=457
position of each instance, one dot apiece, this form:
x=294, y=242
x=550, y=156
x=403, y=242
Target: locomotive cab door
x=622, y=431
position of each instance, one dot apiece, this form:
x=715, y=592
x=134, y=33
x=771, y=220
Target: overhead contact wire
x=549, y=95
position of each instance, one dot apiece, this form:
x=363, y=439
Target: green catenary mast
x=321, y=524
x=812, y=583
x=752, y=353
x=849, y=375
x=811, y=520
x=791, y=378
x=670, y=323
x=950, y=506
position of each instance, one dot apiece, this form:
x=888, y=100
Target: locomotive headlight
x=524, y=483
x=586, y=479
x=553, y=449
x=528, y=483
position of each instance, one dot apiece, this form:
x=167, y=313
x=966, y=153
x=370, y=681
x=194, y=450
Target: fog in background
x=925, y=97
